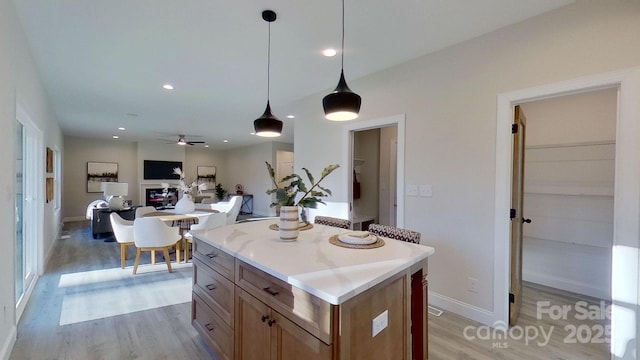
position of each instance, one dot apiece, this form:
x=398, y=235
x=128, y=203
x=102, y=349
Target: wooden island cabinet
x=255, y=297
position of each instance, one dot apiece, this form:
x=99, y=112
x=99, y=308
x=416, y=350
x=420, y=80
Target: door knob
x=528, y=221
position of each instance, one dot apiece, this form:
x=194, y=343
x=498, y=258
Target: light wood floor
x=84, y=268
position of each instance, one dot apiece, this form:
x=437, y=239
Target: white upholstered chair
x=123, y=232
x=143, y=210
x=231, y=208
x=206, y=222
x=150, y=234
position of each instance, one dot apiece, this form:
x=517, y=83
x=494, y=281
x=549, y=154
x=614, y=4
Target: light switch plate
x=379, y=323
x=412, y=190
x=425, y=191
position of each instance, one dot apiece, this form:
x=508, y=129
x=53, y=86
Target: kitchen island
x=254, y=294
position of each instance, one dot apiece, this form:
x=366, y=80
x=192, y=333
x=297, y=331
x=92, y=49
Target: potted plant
x=286, y=197
x=220, y=192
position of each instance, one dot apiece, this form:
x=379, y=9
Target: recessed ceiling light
x=291, y=116
x=329, y=52
x=206, y=146
x=167, y=87
x=252, y=133
x=225, y=141
x=115, y=136
x=121, y=129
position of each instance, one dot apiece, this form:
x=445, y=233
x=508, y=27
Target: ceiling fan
x=182, y=140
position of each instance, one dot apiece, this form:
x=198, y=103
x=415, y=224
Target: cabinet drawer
x=212, y=328
x=309, y=312
x=215, y=289
x=216, y=259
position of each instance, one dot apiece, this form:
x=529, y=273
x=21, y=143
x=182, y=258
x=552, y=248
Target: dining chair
x=150, y=234
x=143, y=210
x=123, y=232
x=332, y=221
x=207, y=222
x=395, y=233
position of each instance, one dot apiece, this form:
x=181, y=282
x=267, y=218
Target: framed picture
x=99, y=172
x=49, y=164
x=49, y=189
x=207, y=174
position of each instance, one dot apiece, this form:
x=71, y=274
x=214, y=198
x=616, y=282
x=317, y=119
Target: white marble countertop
x=332, y=273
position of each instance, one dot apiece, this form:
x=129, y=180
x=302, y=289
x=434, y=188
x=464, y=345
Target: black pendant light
x=268, y=125
x=342, y=104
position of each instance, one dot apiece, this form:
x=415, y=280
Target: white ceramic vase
x=185, y=204
x=288, y=226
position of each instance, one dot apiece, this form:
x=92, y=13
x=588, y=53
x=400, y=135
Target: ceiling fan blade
x=195, y=142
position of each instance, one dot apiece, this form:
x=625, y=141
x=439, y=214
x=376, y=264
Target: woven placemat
x=335, y=241
x=303, y=227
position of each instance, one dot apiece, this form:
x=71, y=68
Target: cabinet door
x=291, y=342
x=253, y=337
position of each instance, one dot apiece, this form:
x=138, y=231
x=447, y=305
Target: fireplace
x=154, y=197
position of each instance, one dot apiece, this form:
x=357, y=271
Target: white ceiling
x=103, y=62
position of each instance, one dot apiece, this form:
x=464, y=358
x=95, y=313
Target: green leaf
x=272, y=173
x=311, y=181
x=329, y=169
x=325, y=190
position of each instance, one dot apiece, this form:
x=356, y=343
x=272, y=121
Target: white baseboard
x=566, y=284
x=7, y=347
x=74, y=218
x=461, y=308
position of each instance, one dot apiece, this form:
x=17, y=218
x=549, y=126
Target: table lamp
x=113, y=193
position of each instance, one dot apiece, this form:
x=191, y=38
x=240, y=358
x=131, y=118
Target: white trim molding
x=626, y=240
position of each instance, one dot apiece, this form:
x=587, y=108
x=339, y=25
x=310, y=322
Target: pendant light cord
x=269, y=63
x=342, y=51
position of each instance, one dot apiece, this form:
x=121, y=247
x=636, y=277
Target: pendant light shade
x=342, y=104
x=268, y=125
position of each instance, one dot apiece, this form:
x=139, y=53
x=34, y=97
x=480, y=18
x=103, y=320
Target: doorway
x=567, y=217
x=626, y=239
x=375, y=176
x=28, y=207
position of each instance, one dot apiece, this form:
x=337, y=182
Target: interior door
x=517, y=218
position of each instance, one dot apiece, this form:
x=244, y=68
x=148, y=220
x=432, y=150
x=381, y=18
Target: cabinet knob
x=211, y=287
x=264, y=318
x=271, y=322
x=212, y=255
x=209, y=327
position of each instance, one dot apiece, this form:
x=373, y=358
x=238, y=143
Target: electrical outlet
x=412, y=190
x=379, y=323
x=473, y=285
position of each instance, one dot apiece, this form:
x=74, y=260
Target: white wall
x=388, y=135
x=449, y=99
x=20, y=82
x=79, y=151
x=569, y=186
x=246, y=166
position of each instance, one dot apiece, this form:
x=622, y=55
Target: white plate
x=345, y=238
